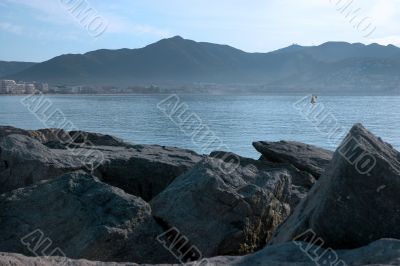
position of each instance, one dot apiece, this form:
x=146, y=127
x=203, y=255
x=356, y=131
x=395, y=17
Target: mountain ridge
x=13, y=67
x=177, y=61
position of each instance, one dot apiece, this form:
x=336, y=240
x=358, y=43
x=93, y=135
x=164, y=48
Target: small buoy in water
x=314, y=99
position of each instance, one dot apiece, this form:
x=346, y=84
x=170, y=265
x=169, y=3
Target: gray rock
x=13, y=259
x=24, y=161
x=145, y=170
x=380, y=253
x=303, y=156
x=142, y=170
x=38, y=135
x=80, y=217
x=59, y=139
x=228, y=213
x=97, y=139
x=356, y=200
x=300, y=181
x=52, y=136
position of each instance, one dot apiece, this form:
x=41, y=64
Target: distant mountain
x=175, y=61
x=10, y=68
x=336, y=51
x=290, y=49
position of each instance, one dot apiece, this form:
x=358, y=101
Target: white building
x=18, y=89
x=43, y=87
x=11, y=87
x=29, y=88
x=7, y=86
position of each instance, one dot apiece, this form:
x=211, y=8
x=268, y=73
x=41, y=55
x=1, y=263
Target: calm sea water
x=236, y=120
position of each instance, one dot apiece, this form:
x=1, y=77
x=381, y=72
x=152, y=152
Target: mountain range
x=10, y=68
x=330, y=67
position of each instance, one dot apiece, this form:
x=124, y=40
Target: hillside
x=177, y=61
x=10, y=68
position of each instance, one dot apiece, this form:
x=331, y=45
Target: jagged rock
x=97, y=139
x=303, y=156
x=300, y=181
x=380, y=253
x=24, y=161
x=81, y=217
x=13, y=259
x=8, y=130
x=142, y=170
x=356, y=200
x=228, y=213
x=75, y=139
x=145, y=170
x=61, y=138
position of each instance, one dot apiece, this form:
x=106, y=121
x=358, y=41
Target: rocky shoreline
x=78, y=198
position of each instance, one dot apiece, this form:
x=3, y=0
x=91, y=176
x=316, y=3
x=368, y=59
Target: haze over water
x=236, y=120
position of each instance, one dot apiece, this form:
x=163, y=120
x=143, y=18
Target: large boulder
x=356, y=200
x=300, y=181
x=25, y=160
x=303, y=156
x=380, y=253
x=145, y=170
x=78, y=216
x=40, y=136
x=13, y=259
x=231, y=212
x=27, y=157
x=62, y=138
x=97, y=139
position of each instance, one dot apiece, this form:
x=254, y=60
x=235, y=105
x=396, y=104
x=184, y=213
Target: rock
x=142, y=170
x=380, y=253
x=356, y=201
x=80, y=217
x=228, y=213
x=145, y=170
x=303, y=156
x=62, y=138
x=301, y=181
x=8, y=130
x=97, y=139
x=24, y=161
x=13, y=259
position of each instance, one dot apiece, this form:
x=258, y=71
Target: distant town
x=13, y=87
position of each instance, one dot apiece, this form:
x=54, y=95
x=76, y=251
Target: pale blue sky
x=37, y=30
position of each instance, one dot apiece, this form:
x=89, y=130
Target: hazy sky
x=37, y=30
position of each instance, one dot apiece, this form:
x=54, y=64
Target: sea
x=227, y=122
